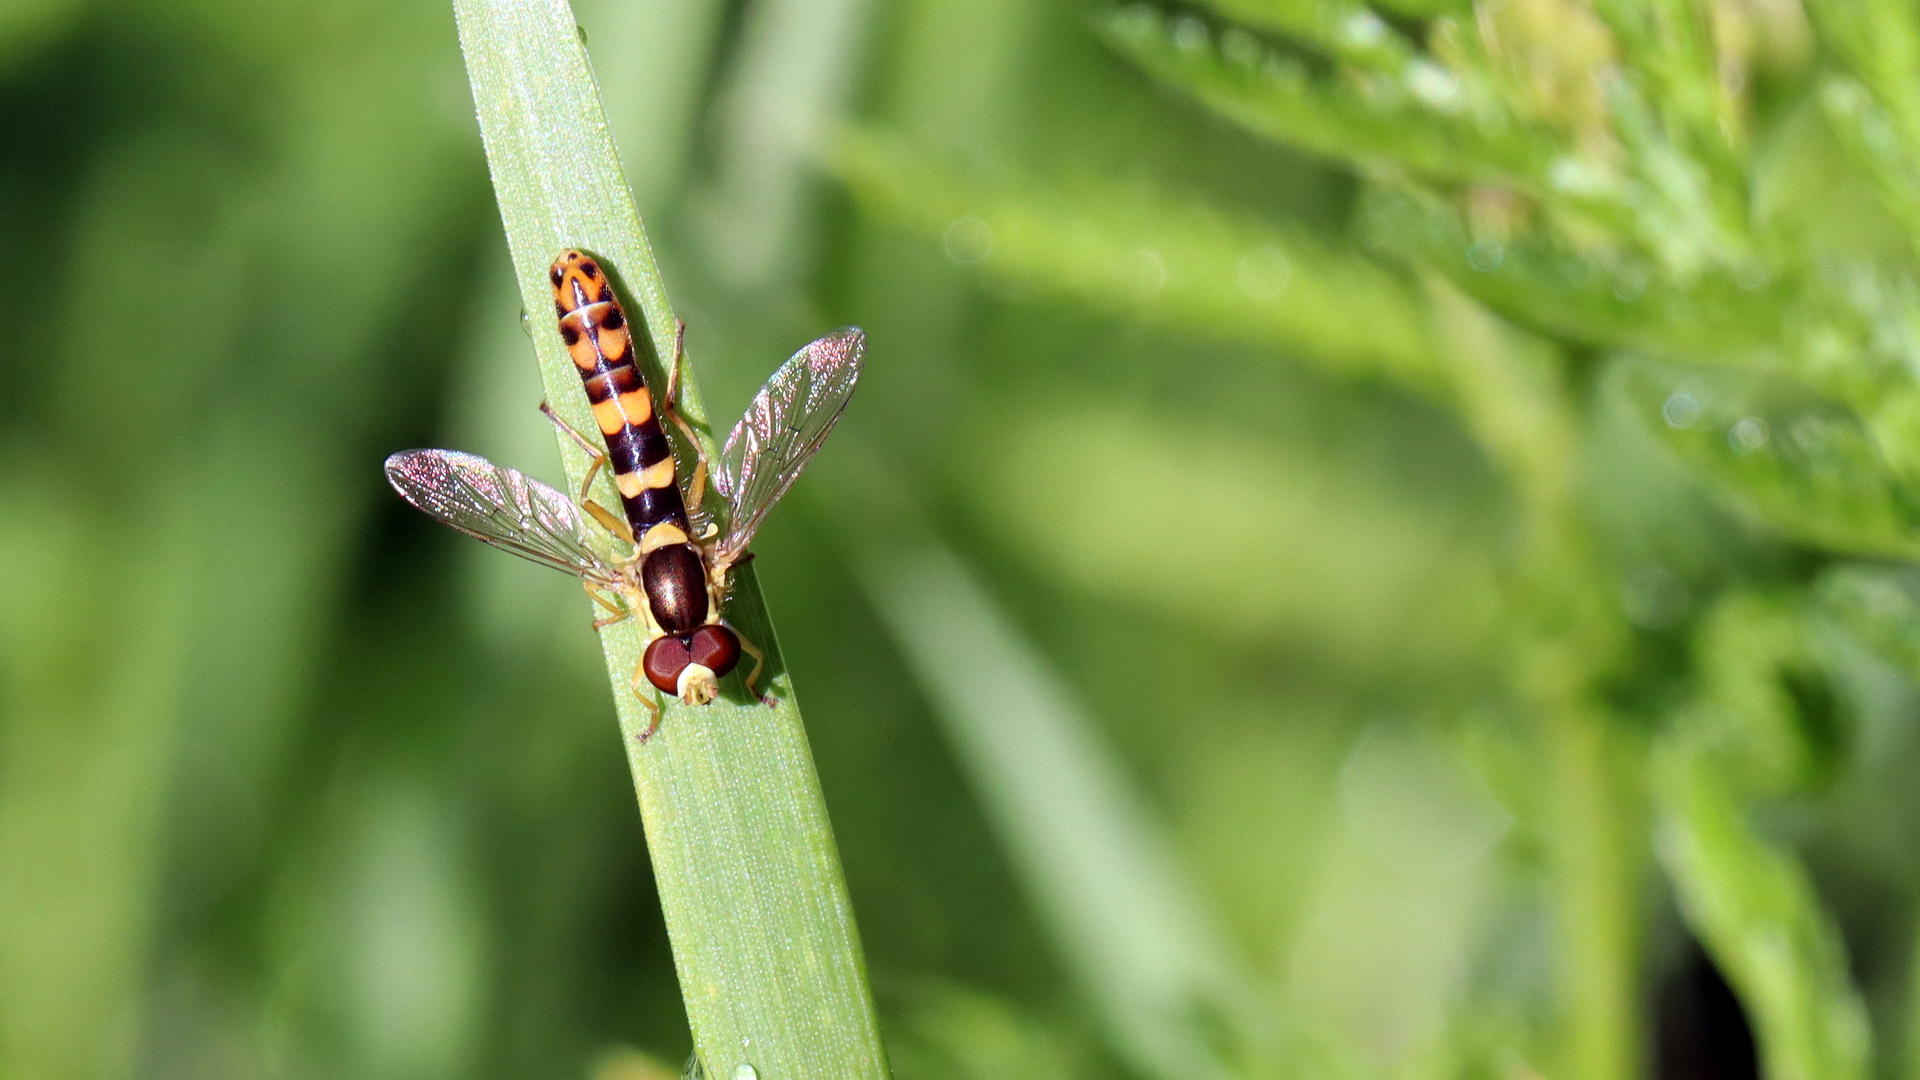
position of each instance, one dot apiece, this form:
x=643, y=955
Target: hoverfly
x=674, y=572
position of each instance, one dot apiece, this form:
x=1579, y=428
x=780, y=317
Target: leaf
x=1878, y=42
x=1803, y=464
x=1765, y=703
x=743, y=856
x=1872, y=137
x=1420, y=119
x=1349, y=31
x=1757, y=912
x=1596, y=298
x=1880, y=606
x=1758, y=723
x=1143, y=255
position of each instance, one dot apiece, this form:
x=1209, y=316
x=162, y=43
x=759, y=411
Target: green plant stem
x=749, y=878
x=1594, y=901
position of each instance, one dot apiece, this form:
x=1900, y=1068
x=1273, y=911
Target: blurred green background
x=1372, y=543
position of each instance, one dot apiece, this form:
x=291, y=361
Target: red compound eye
x=664, y=660
x=715, y=648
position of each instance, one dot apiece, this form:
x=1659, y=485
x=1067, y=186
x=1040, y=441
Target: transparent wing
x=502, y=506
x=782, y=430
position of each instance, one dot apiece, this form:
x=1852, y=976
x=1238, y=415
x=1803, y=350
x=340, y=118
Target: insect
x=674, y=569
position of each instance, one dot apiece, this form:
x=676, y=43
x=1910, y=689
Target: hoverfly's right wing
x=502, y=506
x=788, y=420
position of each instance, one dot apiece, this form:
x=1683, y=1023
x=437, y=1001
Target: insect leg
x=640, y=690
x=598, y=455
x=618, y=613
x=607, y=521
x=697, y=484
x=759, y=662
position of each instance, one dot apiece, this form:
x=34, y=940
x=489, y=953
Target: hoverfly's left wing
x=782, y=430
x=502, y=506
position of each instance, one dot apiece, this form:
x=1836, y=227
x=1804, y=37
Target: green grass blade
x=789, y=83
x=1137, y=938
x=750, y=881
x=1130, y=927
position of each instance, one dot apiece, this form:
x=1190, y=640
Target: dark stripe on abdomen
x=600, y=343
x=653, y=506
x=622, y=379
x=635, y=447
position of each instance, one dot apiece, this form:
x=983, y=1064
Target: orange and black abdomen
x=601, y=344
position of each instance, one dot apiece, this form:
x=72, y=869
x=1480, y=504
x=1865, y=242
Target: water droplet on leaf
x=1433, y=85
x=1363, y=29
x=1240, y=47
x=1146, y=272
x=1680, y=410
x=1189, y=34
x=1630, y=286
x=968, y=240
x=1263, y=273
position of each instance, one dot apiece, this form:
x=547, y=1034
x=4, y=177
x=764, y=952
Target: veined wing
x=502, y=506
x=783, y=428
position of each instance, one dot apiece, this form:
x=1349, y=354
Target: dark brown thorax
x=675, y=580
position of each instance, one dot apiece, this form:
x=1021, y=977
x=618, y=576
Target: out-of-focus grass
x=183, y=604
x=1403, y=546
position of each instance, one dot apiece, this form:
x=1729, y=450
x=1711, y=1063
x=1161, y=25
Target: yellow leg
x=607, y=520
x=598, y=455
x=697, y=484
x=640, y=690
x=753, y=676
x=615, y=612
x=679, y=352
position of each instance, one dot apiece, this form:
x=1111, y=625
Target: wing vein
x=502, y=507
x=786, y=424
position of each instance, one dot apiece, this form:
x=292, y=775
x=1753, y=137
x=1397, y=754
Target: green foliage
x=1806, y=465
x=1372, y=543
x=1759, y=725
x=1180, y=264
x=1630, y=188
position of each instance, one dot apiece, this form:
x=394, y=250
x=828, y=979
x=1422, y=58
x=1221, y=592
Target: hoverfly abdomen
x=675, y=580
x=598, y=339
